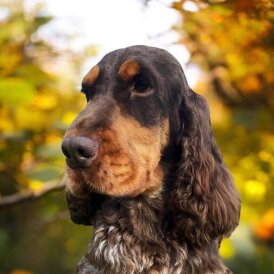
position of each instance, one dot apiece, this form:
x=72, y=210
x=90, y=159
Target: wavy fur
x=178, y=228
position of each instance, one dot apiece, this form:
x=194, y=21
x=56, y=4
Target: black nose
x=79, y=151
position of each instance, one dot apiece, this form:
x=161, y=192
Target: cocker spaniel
x=144, y=169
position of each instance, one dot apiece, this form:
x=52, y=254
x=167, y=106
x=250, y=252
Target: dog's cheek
x=155, y=172
x=145, y=174
x=144, y=147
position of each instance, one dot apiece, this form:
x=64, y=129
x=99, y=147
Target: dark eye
x=141, y=84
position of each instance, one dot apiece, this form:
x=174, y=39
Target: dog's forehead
x=143, y=56
x=125, y=70
x=126, y=63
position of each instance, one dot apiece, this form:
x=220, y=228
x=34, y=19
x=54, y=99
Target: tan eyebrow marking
x=129, y=69
x=92, y=75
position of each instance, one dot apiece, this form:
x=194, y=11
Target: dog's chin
x=77, y=189
x=83, y=182
x=131, y=183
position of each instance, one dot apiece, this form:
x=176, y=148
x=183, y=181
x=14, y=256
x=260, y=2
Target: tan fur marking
x=92, y=75
x=128, y=159
x=129, y=69
x=140, y=154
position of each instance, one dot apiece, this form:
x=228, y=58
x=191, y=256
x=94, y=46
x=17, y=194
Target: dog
x=144, y=169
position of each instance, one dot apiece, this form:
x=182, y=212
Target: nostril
x=83, y=153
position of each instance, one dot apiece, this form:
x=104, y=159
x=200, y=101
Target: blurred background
x=46, y=47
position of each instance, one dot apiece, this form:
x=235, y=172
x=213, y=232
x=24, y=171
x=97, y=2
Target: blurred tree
x=232, y=42
x=36, y=102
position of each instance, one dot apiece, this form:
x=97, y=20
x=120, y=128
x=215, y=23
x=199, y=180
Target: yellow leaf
x=226, y=249
x=7, y=124
x=20, y=271
x=53, y=139
x=255, y=190
x=264, y=229
x=68, y=117
x=45, y=102
x=30, y=118
x=35, y=185
x=265, y=156
x=250, y=84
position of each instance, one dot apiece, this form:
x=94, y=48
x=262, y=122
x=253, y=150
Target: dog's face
x=142, y=122
x=114, y=145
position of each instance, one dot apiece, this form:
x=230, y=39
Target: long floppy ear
x=205, y=204
x=83, y=210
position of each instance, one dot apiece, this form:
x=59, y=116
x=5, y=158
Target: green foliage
x=233, y=42
x=14, y=92
x=36, y=101
x=41, y=240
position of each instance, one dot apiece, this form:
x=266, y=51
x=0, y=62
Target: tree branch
x=19, y=198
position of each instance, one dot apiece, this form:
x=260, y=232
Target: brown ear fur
x=204, y=197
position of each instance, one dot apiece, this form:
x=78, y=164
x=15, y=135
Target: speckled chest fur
x=127, y=240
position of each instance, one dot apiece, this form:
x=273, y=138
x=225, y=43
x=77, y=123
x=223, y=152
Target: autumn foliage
x=232, y=42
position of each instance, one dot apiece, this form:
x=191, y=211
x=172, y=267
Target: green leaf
x=49, y=151
x=44, y=173
x=15, y=91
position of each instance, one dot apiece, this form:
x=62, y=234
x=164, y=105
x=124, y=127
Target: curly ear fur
x=204, y=198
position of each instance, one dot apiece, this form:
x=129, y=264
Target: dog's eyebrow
x=91, y=77
x=129, y=69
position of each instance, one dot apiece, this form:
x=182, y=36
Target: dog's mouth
x=121, y=160
x=114, y=173
x=111, y=169
x=116, y=170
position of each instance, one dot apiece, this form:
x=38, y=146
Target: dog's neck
x=139, y=215
x=129, y=235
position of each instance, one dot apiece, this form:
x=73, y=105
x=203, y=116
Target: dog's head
x=115, y=144
x=144, y=130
